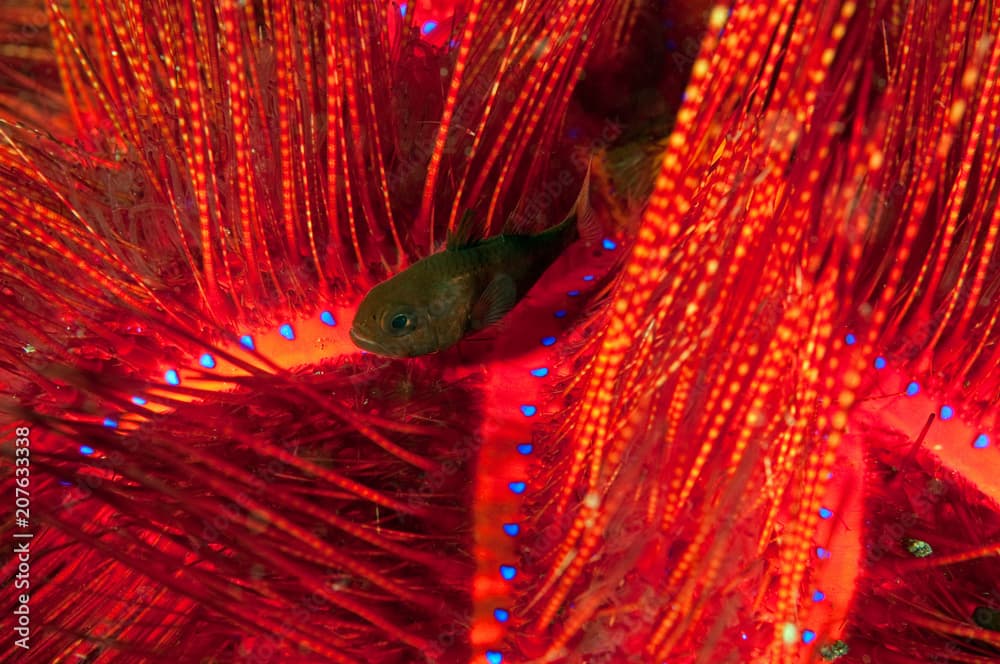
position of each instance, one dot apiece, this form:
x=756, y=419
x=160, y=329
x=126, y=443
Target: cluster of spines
x=789, y=198
x=262, y=501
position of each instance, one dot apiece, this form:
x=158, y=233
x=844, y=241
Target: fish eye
x=398, y=323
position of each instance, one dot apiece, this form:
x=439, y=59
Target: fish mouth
x=370, y=345
x=364, y=342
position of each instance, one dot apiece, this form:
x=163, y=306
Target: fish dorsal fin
x=499, y=297
x=586, y=221
x=461, y=237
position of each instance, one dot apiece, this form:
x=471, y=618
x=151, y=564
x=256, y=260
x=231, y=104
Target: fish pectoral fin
x=499, y=297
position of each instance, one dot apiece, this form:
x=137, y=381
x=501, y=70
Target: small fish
x=438, y=300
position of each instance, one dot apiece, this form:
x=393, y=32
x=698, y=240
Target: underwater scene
x=507, y=332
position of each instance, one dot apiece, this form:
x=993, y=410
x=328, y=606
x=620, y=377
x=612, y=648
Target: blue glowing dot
x=110, y=423
x=947, y=412
x=548, y=341
x=328, y=318
x=808, y=636
x=172, y=377
x=610, y=244
x=912, y=389
x=528, y=410
x=850, y=340
x=493, y=657
x=588, y=277
x=880, y=362
x=508, y=572
x=573, y=293
x=517, y=487
x=402, y=9
x=560, y=314
x=818, y=596
x=86, y=449
x=540, y=372
x=525, y=448
x=511, y=529
x=428, y=27
x=981, y=441
x=287, y=332
x=138, y=401
x=65, y=483
x=825, y=513
x=743, y=635
x=503, y=615
x=823, y=554
x=247, y=342
x=207, y=361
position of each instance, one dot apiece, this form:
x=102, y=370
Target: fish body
x=435, y=302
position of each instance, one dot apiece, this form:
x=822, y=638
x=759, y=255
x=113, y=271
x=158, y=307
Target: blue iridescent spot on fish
x=471, y=285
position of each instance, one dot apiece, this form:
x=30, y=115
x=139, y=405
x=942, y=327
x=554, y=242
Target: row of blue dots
x=509, y=572
x=947, y=412
x=808, y=635
x=172, y=377
x=206, y=360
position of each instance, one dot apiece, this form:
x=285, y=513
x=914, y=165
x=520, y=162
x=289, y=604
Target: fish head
x=406, y=316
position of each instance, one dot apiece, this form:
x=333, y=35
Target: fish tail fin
x=625, y=172
x=633, y=167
